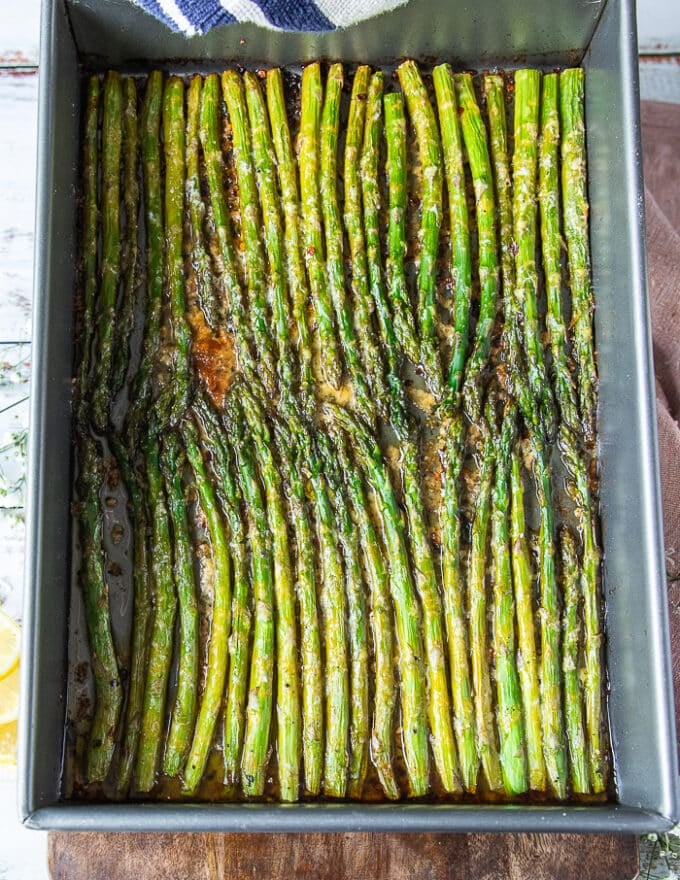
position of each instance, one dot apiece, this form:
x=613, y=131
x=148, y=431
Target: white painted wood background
x=22, y=853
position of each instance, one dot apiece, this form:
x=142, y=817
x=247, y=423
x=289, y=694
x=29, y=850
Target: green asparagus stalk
x=287, y=171
x=508, y=695
x=200, y=260
x=112, y=140
x=382, y=732
x=107, y=682
x=407, y=616
x=306, y=589
x=571, y=640
x=153, y=222
x=477, y=148
x=395, y=135
x=477, y=560
x=330, y=123
x=593, y=638
x=211, y=699
x=332, y=602
x=524, y=166
x=549, y=202
x=216, y=449
x=354, y=183
x=90, y=233
x=549, y=618
x=430, y=156
x=370, y=189
x=357, y=629
x=210, y=137
x=309, y=158
x=162, y=627
x=453, y=583
x=232, y=89
x=260, y=692
x=452, y=146
x=141, y=616
x=527, y=657
x=494, y=92
x=575, y=215
x=175, y=393
x=125, y=311
x=264, y=161
x=184, y=710
x=513, y=373
x=438, y=703
x=287, y=683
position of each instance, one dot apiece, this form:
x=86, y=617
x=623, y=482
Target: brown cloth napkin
x=661, y=153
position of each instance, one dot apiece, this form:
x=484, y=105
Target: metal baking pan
x=601, y=35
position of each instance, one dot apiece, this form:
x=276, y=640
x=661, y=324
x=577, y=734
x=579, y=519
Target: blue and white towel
x=198, y=16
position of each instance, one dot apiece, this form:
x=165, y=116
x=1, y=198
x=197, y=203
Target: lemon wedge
x=9, y=697
x=10, y=640
x=8, y=744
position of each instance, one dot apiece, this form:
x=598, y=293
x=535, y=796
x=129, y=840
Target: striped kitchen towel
x=198, y=16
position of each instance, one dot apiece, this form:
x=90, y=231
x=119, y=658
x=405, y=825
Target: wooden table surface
x=468, y=857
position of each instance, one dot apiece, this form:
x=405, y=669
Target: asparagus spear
x=162, y=627
x=107, y=683
x=527, y=89
x=477, y=148
x=259, y=707
x=287, y=171
x=381, y=622
x=175, y=393
x=90, y=233
x=527, y=659
x=549, y=202
x=287, y=683
x=395, y=135
x=141, y=615
x=452, y=578
x=575, y=215
x=354, y=184
x=211, y=699
x=200, y=261
x=333, y=618
x=407, y=616
x=310, y=124
x=370, y=187
x=125, y=310
x=357, y=629
x=184, y=710
x=153, y=222
x=430, y=156
x=232, y=89
x=486, y=735
x=549, y=618
x=593, y=639
x=438, y=703
x=112, y=138
x=210, y=137
x=571, y=640
x=508, y=695
x=330, y=123
x=306, y=588
x=265, y=170
x=216, y=449
x=447, y=107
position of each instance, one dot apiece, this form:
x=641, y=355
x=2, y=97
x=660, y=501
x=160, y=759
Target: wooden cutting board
x=94, y=856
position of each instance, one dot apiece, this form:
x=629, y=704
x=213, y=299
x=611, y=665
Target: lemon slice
x=8, y=744
x=9, y=697
x=10, y=639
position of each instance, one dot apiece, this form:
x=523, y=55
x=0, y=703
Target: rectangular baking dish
x=94, y=34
